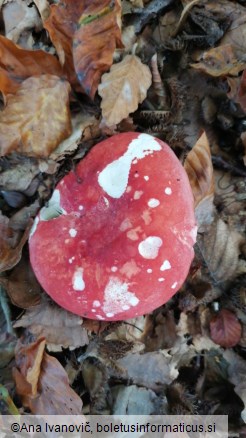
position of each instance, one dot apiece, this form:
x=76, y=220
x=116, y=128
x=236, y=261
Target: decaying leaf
x=18, y=64
x=220, y=247
x=221, y=61
x=42, y=382
x=21, y=285
x=133, y=400
x=7, y=335
x=36, y=118
x=59, y=327
x=11, y=244
x=43, y=8
x=225, y=329
x=18, y=17
x=199, y=168
x=237, y=372
x=123, y=88
x=85, y=35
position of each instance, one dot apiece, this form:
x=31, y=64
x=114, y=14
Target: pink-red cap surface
x=116, y=239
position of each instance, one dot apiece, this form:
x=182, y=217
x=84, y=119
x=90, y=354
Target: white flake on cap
x=161, y=279
x=117, y=295
x=81, y=207
x=137, y=195
x=149, y=247
x=114, y=268
x=168, y=190
x=152, y=203
x=146, y=177
x=78, y=281
x=165, y=266
x=34, y=226
x=114, y=177
x=149, y=271
x=174, y=285
x=96, y=303
x=53, y=208
x=72, y=232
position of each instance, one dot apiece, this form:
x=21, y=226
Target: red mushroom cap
x=116, y=239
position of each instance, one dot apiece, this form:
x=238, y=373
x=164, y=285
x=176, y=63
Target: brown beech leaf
x=199, y=168
x=220, y=61
x=17, y=64
x=220, y=247
x=123, y=88
x=59, y=327
x=85, y=35
x=36, y=118
x=42, y=382
x=225, y=329
x=22, y=286
x=11, y=244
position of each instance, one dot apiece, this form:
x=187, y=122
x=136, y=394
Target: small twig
x=222, y=164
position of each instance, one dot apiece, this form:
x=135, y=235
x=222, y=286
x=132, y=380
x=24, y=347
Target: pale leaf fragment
x=237, y=371
x=59, y=327
x=123, y=88
x=220, y=247
x=199, y=168
x=36, y=118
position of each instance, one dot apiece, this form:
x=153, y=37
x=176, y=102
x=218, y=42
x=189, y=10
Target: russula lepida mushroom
x=116, y=238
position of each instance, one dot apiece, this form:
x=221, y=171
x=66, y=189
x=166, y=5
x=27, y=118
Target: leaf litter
x=178, y=73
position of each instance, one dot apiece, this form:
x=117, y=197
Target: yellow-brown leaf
x=36, y=118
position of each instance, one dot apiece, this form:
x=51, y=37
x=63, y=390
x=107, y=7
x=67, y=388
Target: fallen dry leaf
x=22, y=286
x=18, y=17
x=36, y=118
x=220, y=247
x=221, y=61
x=237, y=371
x=11, y=244
x=199, y=168
x=43, y=8
x=225, y=329
x=42, y=382
x=18, y=64
x=85, y=35
x=198, y=165
x=59, y=327
x=123, y=88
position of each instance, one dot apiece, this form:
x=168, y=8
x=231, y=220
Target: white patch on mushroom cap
x=96, y=303
x=152, y=203
x=146, y=216
x=117, y=295
x=81, y=207
x=100, y=317
x=165, y=266
x=53, y=209
x=133, y=234
x=78, y=281
x=146, y=177
x=149, y=247
x=161, y=279
x=130, y=268
x=125, y=225
x=137, y=194
x=109, y=314
x=174, y=285
x=168, y=190
x=149, y=271
x=114, y=177
x=72, y=232
x=106, y=201
x=114, y=268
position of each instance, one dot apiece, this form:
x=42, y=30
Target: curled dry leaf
x=220, y=247
x=37, y=118
x=85, y=35
x=7, y=405
x=225, y=329
x=18, y=64
x=11, y=244
x=123, y=88
x=59, y=327
x=221, y=61
x=199, y=168
x=43, y=8
x=42, y=382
